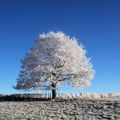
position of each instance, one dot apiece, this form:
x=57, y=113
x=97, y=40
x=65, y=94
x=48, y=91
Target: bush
x=23, y=97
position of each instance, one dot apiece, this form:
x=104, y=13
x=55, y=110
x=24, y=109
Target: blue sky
x=96, y=23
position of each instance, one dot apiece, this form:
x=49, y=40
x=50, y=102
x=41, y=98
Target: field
x=70, y=109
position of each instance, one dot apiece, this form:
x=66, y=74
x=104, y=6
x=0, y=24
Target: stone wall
x=39, y=97
x=91, y=95
x=23, y=97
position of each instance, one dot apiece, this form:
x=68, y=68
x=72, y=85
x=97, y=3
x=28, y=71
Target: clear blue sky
x=96, y=23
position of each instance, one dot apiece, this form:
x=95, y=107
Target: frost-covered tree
x=55, y=59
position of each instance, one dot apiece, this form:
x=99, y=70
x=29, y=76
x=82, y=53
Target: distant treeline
x=24, y=97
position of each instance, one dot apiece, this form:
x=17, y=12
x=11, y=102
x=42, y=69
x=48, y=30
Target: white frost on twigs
x=55, y=58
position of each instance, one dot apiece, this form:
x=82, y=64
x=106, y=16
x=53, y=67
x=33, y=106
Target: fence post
x=75, y=95
x=58, y=94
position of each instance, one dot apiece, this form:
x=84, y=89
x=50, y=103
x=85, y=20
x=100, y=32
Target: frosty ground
x=70, y=109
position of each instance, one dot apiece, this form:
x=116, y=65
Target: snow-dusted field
x=80, y=109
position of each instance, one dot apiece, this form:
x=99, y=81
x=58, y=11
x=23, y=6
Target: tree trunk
x=53, y=90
